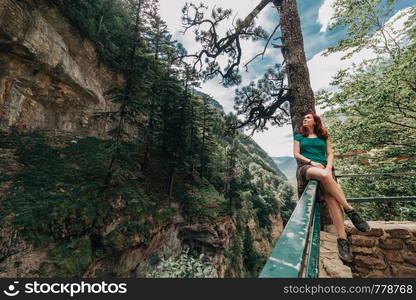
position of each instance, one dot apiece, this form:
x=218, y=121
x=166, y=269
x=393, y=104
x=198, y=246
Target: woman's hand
x=318, y=165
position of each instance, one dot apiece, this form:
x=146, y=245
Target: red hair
x=318, y=129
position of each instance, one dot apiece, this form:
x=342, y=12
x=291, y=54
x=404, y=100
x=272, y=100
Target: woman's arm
x=329, y=155
x=296, y=152
x=298, y=156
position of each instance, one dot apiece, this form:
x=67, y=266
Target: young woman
x=312, y=148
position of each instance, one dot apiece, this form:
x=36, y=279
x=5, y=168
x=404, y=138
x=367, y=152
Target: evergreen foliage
x=253, y=261
x=372, y=121
x=167, y=143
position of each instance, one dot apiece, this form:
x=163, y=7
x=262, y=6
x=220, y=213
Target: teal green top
x=312, y=148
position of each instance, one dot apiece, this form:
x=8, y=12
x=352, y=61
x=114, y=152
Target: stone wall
x=387, y=251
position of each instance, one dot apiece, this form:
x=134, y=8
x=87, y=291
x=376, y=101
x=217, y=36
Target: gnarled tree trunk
x=302, y=97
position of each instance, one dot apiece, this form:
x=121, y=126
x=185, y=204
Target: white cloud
x=323, y=68
x=326, y=11
x=277, y=141
x=224, y=96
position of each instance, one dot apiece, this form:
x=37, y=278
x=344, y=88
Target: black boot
x=344, y=249
x=358, y=222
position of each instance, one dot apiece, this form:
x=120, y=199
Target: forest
x=170, y=152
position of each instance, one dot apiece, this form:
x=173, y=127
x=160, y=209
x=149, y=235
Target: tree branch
x=265, y=47
x=213, y=46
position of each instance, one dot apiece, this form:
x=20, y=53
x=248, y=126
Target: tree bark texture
x=302, y=97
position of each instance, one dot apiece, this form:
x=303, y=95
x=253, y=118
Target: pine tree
x=231, y=188
x=129, y=98
x=157, y=35
x=298, y=93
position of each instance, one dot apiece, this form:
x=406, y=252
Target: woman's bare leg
x=336, y=214
x=329, y=184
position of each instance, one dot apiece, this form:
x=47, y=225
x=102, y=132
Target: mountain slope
x=287, y=165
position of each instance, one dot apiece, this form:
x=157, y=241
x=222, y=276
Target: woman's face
x=308, y=121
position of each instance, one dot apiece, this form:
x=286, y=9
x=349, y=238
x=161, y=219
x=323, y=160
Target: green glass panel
x=287, y=256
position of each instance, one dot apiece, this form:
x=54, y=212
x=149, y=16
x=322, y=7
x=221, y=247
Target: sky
x=315, y=18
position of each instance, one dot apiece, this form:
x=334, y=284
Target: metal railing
x=382, y=199
x=296, y=253
x=377, y=175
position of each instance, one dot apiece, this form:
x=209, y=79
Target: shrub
x=184, y=266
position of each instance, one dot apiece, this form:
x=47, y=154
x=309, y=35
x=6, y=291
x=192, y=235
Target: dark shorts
x=302, y=181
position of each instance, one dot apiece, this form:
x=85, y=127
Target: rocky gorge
x=52, y=82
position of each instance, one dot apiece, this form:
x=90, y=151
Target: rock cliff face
x=50, y=77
